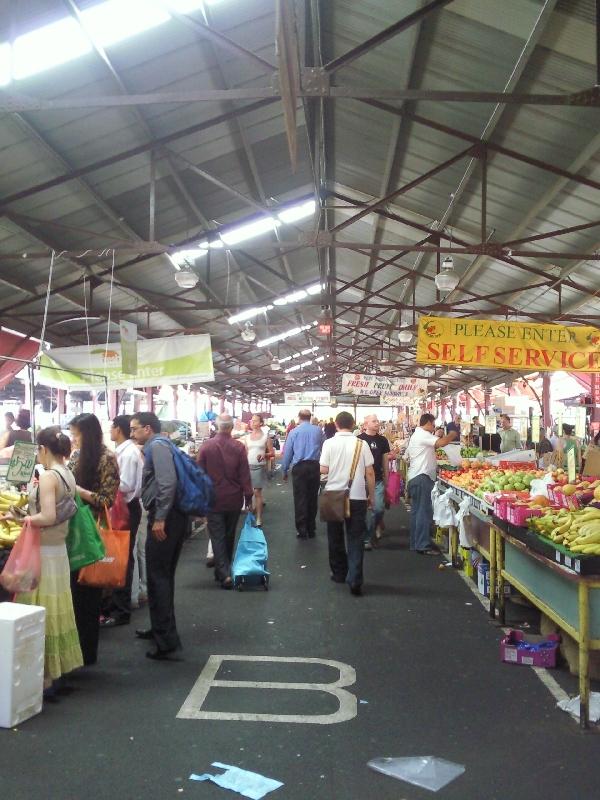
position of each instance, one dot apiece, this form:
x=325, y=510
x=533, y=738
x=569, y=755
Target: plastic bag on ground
x=248, y=784
x=571, y=706
x=428, y=772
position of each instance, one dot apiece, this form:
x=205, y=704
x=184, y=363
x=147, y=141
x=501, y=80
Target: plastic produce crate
x=22, y=631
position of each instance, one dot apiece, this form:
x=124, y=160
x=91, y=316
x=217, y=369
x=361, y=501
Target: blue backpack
x=195, y=494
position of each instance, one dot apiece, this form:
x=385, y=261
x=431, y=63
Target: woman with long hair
x=62, y=652
x=97, y=475
x=260, y=450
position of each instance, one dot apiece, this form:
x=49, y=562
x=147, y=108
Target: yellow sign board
x=535, y=430
x=508, y=345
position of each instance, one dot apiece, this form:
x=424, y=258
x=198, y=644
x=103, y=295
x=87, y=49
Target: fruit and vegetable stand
x=550, y=554
x=565, y=595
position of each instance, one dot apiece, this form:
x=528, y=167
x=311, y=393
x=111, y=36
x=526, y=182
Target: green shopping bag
x=84, y=545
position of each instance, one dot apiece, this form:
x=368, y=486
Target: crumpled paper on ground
x=248, y=784
x=572, y=706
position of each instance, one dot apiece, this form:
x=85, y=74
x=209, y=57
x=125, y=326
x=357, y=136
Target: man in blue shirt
x=302, y=452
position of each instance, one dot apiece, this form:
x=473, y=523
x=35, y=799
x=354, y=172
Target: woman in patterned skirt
x=62, y=651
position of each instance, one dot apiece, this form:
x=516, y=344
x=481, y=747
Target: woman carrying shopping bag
x=51, y=504
x=260, y=452
x=97, y=475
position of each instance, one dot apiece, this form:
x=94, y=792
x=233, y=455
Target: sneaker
x=368, y=546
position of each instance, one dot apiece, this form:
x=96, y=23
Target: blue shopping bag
x=251, y=555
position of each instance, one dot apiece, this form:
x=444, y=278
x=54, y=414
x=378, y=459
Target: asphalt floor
x=429, y=681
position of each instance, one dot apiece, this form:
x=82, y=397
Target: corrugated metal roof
x=468, y=46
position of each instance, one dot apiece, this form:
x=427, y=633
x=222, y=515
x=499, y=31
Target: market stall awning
x=14, y=347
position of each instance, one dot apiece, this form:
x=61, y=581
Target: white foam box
x=22, y=629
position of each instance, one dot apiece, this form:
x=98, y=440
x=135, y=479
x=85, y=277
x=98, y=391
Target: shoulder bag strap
x=357, y=452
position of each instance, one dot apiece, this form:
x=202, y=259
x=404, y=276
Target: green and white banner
x=174, y=360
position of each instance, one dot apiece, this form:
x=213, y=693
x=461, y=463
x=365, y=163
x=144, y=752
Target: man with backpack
x=166, y=532
x=225, y=460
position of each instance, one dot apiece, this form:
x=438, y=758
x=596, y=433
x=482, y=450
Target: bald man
x=225, y=460
x=380, y=450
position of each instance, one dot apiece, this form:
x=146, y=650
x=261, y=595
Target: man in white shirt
x=131, y=465
x=422, y=469
x=346, y=558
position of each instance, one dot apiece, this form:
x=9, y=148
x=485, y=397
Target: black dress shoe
x=337, y=579
x=356, y=590
x=112, y=622
x=227, y=583
x=144, y=633
x=210, y=562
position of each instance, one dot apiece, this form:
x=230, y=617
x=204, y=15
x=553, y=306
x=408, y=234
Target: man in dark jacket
x=226, y=463
x=166, y=532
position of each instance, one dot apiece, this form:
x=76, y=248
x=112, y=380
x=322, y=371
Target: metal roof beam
x=383, y=36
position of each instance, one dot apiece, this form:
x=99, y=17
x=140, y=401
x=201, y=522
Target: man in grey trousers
x=166, y=532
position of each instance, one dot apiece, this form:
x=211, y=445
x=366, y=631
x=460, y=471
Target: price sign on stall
x=571, y=468
x=490, y=424
x=22, y=463
x=580, y=421
x=535, y=430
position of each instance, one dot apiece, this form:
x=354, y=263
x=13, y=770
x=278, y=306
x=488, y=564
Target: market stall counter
x=559, y=587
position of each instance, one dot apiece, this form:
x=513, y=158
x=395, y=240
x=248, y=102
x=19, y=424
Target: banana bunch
x=8, y=499
x=9, y=532
x=578, y=530
x=10, y=528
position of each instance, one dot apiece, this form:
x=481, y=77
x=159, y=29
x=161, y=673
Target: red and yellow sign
x=496, y=344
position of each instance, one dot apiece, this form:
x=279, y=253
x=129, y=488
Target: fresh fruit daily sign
x=173, y=360
x=508, y=345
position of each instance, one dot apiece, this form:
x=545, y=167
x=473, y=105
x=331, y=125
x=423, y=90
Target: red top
x=226, y=462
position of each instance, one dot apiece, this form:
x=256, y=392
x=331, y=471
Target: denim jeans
x=421, y=512
x=375, y=515
x=346, y=558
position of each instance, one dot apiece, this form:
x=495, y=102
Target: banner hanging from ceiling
x=498, y=344
x=178, y=359
x=400, y=389
x=307, y=398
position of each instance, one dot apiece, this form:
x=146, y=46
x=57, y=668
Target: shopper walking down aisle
x=97, y=476
x=380, y=449
x=422, y=471
x=226, y=463
x=166, y=532
x=302, y=452
x=131, y=464
x=509, y=437
x=340, y=455
x=260, y=450
x=62, y=652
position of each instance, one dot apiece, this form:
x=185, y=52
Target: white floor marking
x=192, y=706
x=548, y=680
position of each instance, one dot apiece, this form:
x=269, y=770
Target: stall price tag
x=535, y=430
x=568, y=561
x=557, y=556
x=571, y=468
x=22, y=463
x=578, y=566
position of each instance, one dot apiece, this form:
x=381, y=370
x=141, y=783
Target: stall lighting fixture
x=275, y=365
x=186, y=278
x=447, y=280
x=405, y=336
x=285, y=335
x=248, y=333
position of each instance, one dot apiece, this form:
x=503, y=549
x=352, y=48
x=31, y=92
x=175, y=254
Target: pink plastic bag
x=393, y=490
x=119, y=513
x=22, y=571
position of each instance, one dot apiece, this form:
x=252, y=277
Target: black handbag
x=334, y=505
